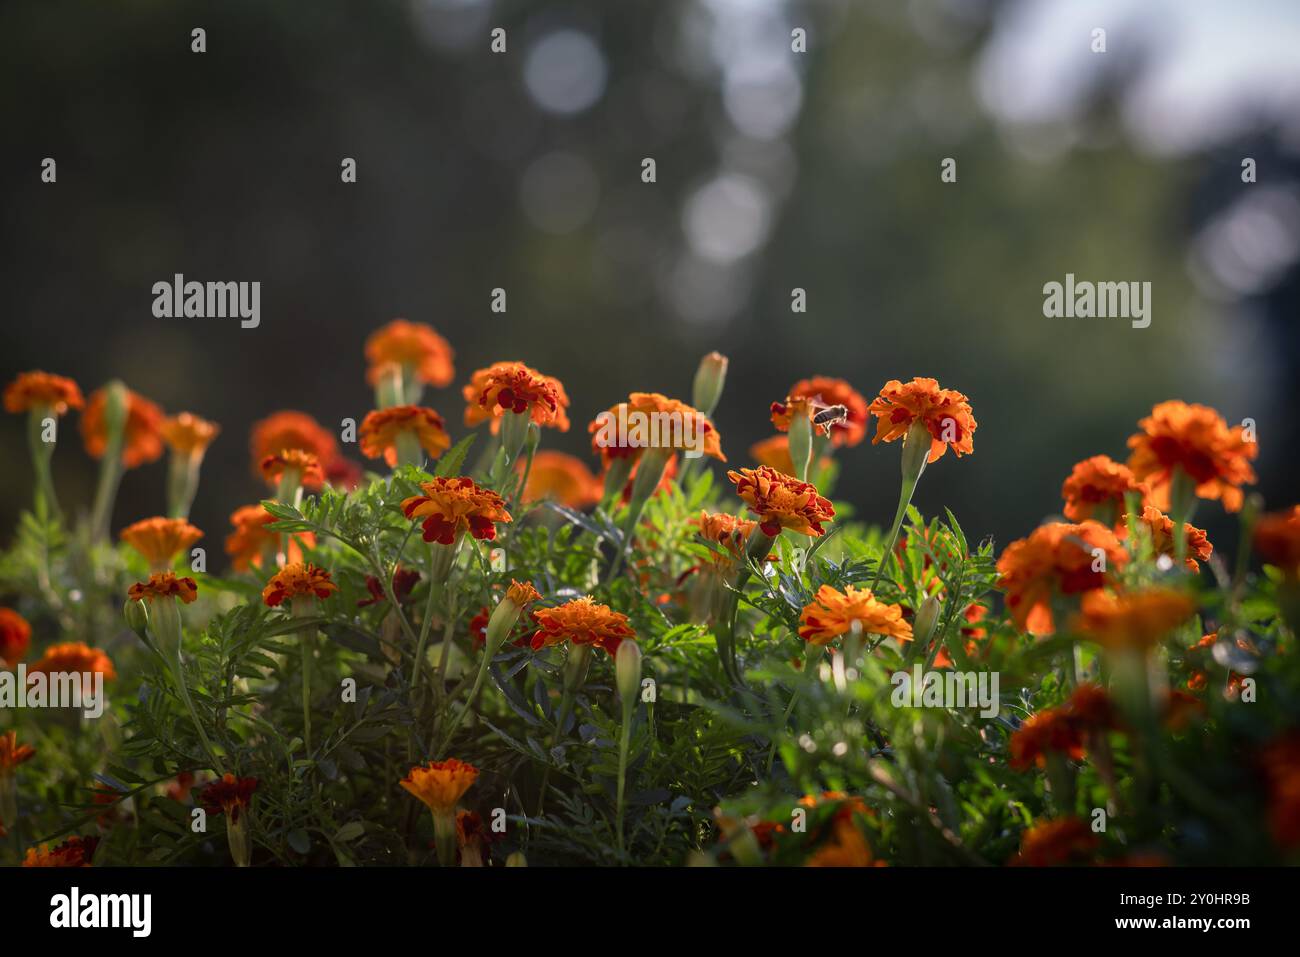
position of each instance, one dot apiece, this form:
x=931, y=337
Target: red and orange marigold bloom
x=726, y=532
x=1056, y=559
x=825, y=392
x=186, y=434
x=1194, y=439
x=833, y=613
x=451, y=506
x=74, y=656
x=514, y=387
x=1280, y=763
x=159, y=540
x=290, y=430
x=562, y=478
x=250, y=541
x=1277, y=540
x=582, y=621
x=1051, y=730
x=651, y=420
x=1096, y=489
x=295, y=461
x=1132, y=620
x=12, y=753
x=1161, y=527
x=441, y=784
x=228, y=795
x=15, y=637
x=142, y=439
x=42, y=390
x=782, y=501
x=945, y=413
x=298, y=580
x=416, y=347
x=1066, y=840
x=381, y=427
x=164, y=585
x=74, y=852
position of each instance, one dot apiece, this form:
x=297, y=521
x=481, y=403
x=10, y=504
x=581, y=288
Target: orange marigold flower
x=304, y=464
x=826, y=392
x=415, y=346
x=514, y=387
x=164, y=585
x=798, y=407
x=945, y=413
x=441, y=784
x=782, y=501
x=775, y=453
x=561, y=478
x=298, y=579
x=522, y=594
x=187, y=434
x=74, y=656
x=651, y=420
x=450, y=506
x=142, y=440
x=250, y=541
x=159, y=540
x=15, y=637
x=1091, y=708
x=1180, y=709
x=1161, y=527
x=846, y=848
x=1056, y=559
x=290, y=430
x=42, y=390
x=1045, y=731
x=833, y=613
x=583, y=622
x=12, y=753
x=1193, y=438
x=727, y=532
x=228, y=795
x=1280, y=762
x=1066, y=840
x=380, y=428
x=1132, y=619
x=1096, y=489
x=1277, y=540
x=74, y=852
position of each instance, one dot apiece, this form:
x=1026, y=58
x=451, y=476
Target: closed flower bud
x=927, y=616
x=916, y=450
x=165, y=622
x=517, y=859
x=627, y=672
x=710, y=378
x=137, y=617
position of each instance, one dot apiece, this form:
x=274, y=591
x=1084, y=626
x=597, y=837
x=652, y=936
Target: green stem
x=904, y=500
x=624, y=743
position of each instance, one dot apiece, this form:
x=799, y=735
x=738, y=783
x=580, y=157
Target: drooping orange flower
x=1193, y=438
x=250, y=541
x=42, y=390
x=74, y=656
x=15, y=637
x=782, y=501
x=1132, y=619
x=514, y=387
x=298, y=579
x=187, y=434
x=1280, y=763
x=946, y=414
x=1161, y=527
x=451, y=506
x=228, y=795
x=164, y=585
x=522, y=594
x=833, y=613
x=1065, y=840
x=159, y=540
x=583, y=622
x=1096, y=489
x=441, y=784
x=1277, y=540
x=416, y=347
x=562, y=478
x=1056, y=559
x=290, y=430
x=12, y=753
x=303, y=464
x=846, y=848
x=824, y=393
x=74, y=852
x=649, y=420
x=142, y=439
x=1051, y=730
x=381, y=427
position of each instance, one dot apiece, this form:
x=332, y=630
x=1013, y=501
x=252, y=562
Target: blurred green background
x=775, y=170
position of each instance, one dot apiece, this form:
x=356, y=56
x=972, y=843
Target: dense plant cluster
x=484, y=654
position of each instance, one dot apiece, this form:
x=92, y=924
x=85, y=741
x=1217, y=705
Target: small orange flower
x=74, y=852
x=159, y=540
x=451, y=506
x=945, y=413
x=833, y=613
x=797, y=407
x=1056, y=559
x=142, y=441
x=380, y=428
x=187, y=434
x=164, y=585
x=564, y=479
x=1195, y=439
x=228, y=795
x=1161, y=527
x=1181, y=708
x=1091, y=709
x=1066, y=840
x=727, y=532
x=250, y=540
x=514, y=387
x=1096, y=489
x=522, y=594
x=1046, y=731
x=826, y=392
x=15, y=637
x=1277, y=540
x=305, y=465
x=296, y=580
x=846, y=848
x=415, y=346
x=782, y=501
x=583, y=622
x=650, y=420
x=42, y=390
x=441, y=784
x=74, y=656
x=290, y=430
x=1132, y=619
x=12, y=753
x=774, y=452
x=1280, y=763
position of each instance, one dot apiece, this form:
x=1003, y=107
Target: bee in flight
x=831, y=415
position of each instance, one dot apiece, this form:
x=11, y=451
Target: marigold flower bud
x=710, y=378
x=137, y=617
x=627, y=672
x=927, y=616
